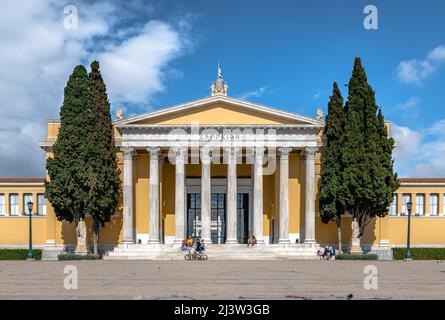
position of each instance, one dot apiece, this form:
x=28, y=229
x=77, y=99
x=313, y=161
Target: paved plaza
x=222, y=280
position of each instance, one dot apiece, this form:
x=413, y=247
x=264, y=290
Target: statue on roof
x=119, y=114
x=220, y=86
x=320, y=114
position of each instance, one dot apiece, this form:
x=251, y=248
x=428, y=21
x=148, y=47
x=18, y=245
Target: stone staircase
x=215, y=252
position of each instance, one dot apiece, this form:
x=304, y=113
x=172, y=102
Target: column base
x=283, y=241
x=260, y=241
x=50, y=243
x=154, y=241
x=310, y=243
x=231, y=241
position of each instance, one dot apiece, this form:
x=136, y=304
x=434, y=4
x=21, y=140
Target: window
x=393, y=208
x=2, y=205
x=405, y=199
x=41, y=205
x=14, y=204
x=434, y=204
x=26, y=198
x=420, y=204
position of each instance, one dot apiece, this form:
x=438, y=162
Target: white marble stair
x=216, y=252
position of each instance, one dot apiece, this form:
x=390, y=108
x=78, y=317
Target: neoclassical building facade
x=222, y=169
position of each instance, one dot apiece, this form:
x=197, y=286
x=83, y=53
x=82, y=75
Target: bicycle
x=195, y=256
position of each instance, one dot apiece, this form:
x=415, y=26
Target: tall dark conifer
x=367, y=179
x=330, y=206
x=68, y=169
x=104, y=176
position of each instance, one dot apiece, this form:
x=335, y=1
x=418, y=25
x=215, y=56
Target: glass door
x=242, y=220
x=218, y=222
x=194, y=215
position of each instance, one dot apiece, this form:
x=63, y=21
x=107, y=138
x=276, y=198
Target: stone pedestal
x=81, y=247
x=354, y=246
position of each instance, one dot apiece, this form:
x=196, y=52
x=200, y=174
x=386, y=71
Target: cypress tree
x=104, y=175
x=330, y=206
x=67, y=189
x=367, y=179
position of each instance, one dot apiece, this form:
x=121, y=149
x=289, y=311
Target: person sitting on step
x=189, y=241
x=251, y=241
x=199, y=245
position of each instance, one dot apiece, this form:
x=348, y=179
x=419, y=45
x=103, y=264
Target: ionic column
x=154, y=195
x=205, y=194
x=309, y=227
x=180, y=153
x=127, y=195
x=258, y=195
x=231, y=214
x=284, y=195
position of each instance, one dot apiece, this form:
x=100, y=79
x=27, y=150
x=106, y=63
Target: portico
x=218, y=171
x=206, y=186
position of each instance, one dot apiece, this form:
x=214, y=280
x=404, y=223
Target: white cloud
x=134, y=69
x=317, y=95
x=437, y=128
x=253, y=94
x=407, y=142
x=409, y=104
x=420, y=153
x=417, y=70
x=409, y=108
x=437, y=54
x=38, y=54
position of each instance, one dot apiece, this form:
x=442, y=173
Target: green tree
x=367, y=179
x=331, y=208
x=103, y=176
x=68, y=170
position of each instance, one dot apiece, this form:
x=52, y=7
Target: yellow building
x=223, y=169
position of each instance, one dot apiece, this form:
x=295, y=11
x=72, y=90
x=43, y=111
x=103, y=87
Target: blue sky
x=285, y=54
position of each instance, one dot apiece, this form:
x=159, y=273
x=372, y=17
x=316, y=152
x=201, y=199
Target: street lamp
x=408, y=256
x=30, y=206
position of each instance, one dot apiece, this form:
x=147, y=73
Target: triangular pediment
x=219, y=110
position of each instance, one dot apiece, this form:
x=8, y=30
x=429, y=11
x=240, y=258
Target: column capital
x=310, y=152
x=259, y=152
x=206, y=153
x=180, y=152
x=129, y=152
x=231, y=151
x=284, y=153
x=154, y=152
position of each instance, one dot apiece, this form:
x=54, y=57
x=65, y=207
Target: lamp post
x=408, y=256
x=30, y=206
